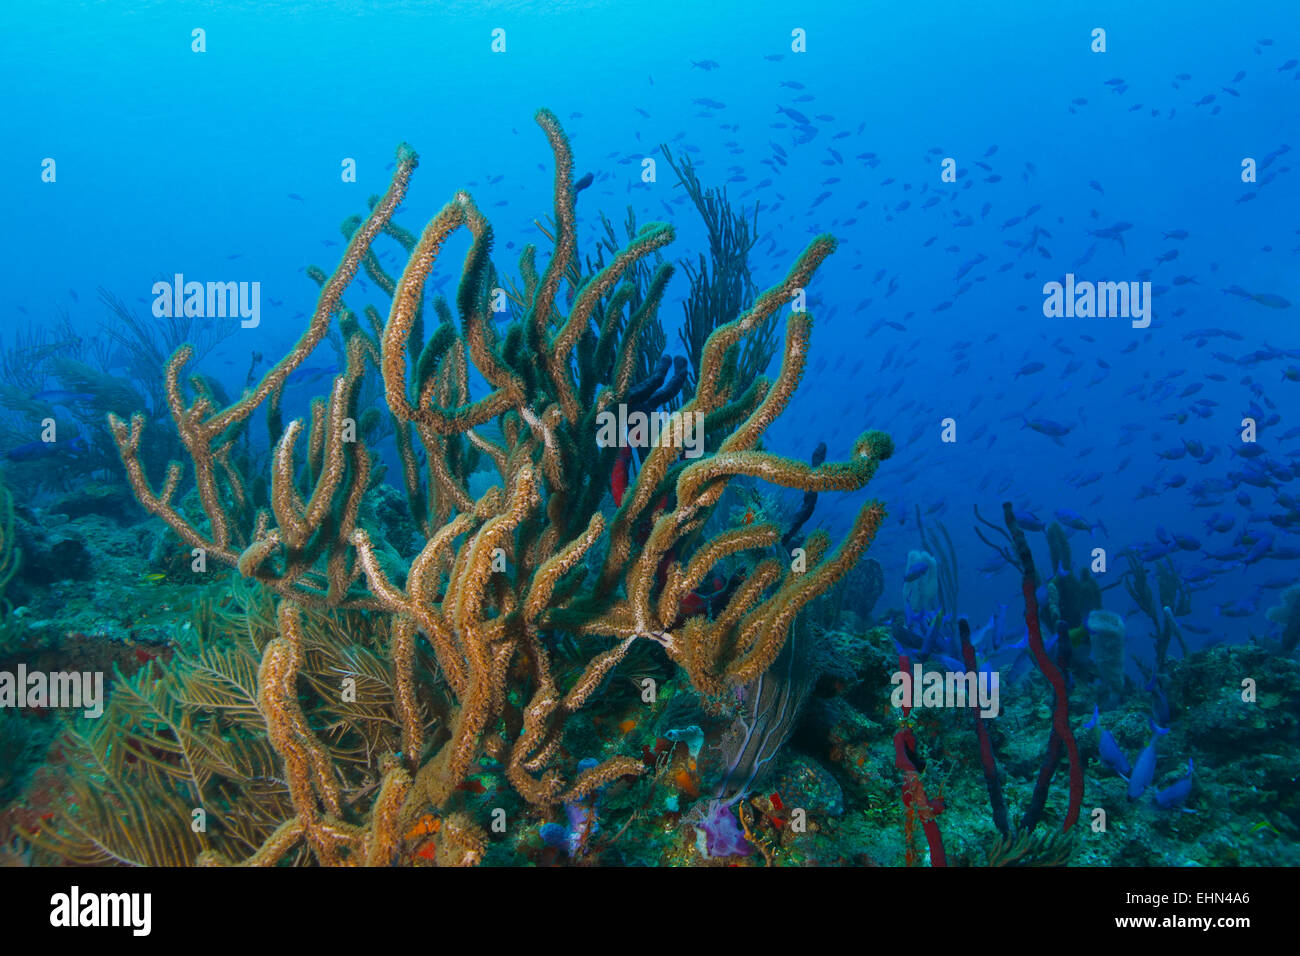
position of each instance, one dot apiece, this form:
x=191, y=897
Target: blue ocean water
x=227, y=163
x=1163, y=159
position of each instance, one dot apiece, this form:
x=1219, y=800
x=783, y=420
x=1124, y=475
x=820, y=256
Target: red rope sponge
x=1061, y=711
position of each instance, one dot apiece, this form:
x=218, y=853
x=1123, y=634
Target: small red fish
x=618, y=481
x=693, y=604
x=696, y=603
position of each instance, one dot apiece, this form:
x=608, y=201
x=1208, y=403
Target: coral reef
x=458, y=657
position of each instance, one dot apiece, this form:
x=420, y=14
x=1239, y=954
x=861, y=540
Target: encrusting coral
x=499, y=574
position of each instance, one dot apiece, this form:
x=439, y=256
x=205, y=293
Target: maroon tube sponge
x=1061, y=711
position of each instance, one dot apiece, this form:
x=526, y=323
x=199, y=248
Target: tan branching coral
x=538, y=553
x=234, y=536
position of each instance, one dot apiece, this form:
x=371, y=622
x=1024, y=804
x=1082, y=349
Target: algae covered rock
x=108, y=501
x=1208, y=692
x=804, y=783
x=53, y=554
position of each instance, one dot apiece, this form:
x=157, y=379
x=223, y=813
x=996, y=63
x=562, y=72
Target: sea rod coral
x=535, y=556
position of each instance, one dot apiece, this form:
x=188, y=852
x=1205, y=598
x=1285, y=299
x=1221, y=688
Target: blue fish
x=1028, y=521
x=1112, y=756
x=1096, y=717
x=1045, y=426
x=1010, y=661
x=1076, y=521
x=1145, y=768
x=950, y=663
x=917, y=570
x=1175, y=795
x=1159, y=702
x=36, y=450
x=310, y=376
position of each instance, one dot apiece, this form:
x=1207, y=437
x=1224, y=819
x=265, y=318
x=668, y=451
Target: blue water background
x=171, y=161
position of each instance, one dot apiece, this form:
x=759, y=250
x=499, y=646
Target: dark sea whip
x=986, y=744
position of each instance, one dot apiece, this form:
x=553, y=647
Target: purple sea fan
x=769, y=709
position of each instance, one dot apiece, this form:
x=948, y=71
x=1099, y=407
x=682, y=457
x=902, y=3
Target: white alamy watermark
x=208, y=300
x=650, y=430
x=1102, y=300
x=75, y=690
x=75, y=908
x=946, y=689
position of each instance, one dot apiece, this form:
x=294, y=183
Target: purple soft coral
x=717, y=831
